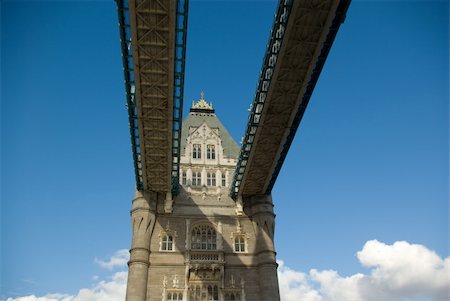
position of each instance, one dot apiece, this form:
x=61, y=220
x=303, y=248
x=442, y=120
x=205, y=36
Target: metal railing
x=180, y=58
x=336, y=23
x=128, y=72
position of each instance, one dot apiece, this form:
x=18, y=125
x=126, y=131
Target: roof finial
x=202, y=104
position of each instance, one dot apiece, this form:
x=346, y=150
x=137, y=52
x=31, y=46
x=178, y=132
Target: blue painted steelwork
x=265, y=76
x=128, y=72
x=336, y=23
x=180, y=57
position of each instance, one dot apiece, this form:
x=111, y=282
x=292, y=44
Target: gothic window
x=183, y=178
x=167, y=242
x=196, y=151
x=203, y=237
x=224, y=180
x=239, y=243
x=174, y=296
x=211, y=179
x=208, y=292
x=213, y=293
x=196, y=178
x=210, y=151
x=232, y=296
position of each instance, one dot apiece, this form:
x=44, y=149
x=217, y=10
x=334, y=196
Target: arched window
x=196, y=178
x=213, y=292
x=206, y=292
x=210, y=152
x=239, y=243
x=203, y=237
x=210, y=292
x=167, y=242
x=211, y=179
x=174, y=296
x=197, y=151
x=232, y=296
x=216, y=293
x=197, y=293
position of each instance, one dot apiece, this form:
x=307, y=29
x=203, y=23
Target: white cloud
x=294, y=285
x=119, y=259
x=401, y=271
x=48, y=297
x=111, y=290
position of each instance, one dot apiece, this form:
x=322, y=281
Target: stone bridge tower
x=203, y=246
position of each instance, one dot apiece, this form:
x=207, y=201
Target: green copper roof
x=196, y=119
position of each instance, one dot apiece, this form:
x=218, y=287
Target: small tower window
x=211, y=179
x=232, y=296
x=167, y=243
x=197, y=151
x=210, y=152
x=174, y=296
x=183, y=178
x=224, y=180
x=239, y=244
x=196, y=178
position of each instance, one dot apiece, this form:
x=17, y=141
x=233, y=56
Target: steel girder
x=301, y=38
x=153, y=35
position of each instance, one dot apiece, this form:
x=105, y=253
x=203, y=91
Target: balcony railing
x=206, y=256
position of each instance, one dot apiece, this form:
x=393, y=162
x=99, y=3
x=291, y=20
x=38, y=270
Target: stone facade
x=203, y=245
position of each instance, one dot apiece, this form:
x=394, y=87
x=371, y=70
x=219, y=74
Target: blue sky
x=370, y=160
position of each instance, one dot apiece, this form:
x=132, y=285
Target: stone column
x=142, y=222
x=261, y=209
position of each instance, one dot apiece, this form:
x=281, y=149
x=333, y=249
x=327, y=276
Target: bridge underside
x=301, y=38
x=153, y=50
x=153, y=34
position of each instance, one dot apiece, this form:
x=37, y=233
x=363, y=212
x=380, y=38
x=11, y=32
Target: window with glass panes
x=211, y=179
x=196, y=178
x=174, y=296
x=232, y=296
x=196, y=151
x=183, y=178
x=210, y=151
x=205, y=292
x=167, y=243
x=224, y=180
x=203, y=237
x=239, y=243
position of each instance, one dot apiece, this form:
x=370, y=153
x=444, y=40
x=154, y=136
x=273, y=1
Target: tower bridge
x=202, y=217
